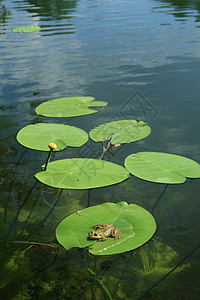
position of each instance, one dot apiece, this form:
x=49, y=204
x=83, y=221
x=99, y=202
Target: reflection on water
x=182, y=10
x=181, y=5
x=4, y=16
x=143, y=58
x=51, y=10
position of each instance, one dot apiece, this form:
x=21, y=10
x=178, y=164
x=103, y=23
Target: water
x=143, y=58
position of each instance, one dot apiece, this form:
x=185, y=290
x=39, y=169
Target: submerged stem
x=11, y=185
x=53, y=207
x=48, y=159
x=89, y=193
x=52, y=146
x=100, y=282
x=28, y=217
x=49, y=213
x=20, y=208
x=123, y=272
x=171, y=271
x=93, y=277
x=159, y=198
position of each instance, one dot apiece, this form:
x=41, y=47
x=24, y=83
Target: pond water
x=143, y=58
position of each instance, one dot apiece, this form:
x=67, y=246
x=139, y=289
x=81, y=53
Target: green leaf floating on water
x=136, y=224
x=27, y=28
x=162, y=167
x=69, y=107
x=120, y=132
x=38, y=136
x=82, y=173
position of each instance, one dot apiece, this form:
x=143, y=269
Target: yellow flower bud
x=52, y=146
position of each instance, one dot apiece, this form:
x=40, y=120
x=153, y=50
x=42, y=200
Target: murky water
x=143, y=58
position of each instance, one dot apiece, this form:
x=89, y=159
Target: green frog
x=103, y=231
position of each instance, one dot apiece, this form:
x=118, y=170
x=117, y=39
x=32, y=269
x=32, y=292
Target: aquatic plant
x=162, y=167
x=136, y=224
x=69, y=107
x=87, y=173
x=26, y=28
x=39, y=136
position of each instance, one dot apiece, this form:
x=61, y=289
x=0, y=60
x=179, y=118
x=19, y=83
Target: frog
x=103, y=231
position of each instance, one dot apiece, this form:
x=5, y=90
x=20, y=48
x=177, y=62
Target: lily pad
x=120, y=132
x=162, y=167
x=27, y=28
x=82, y=173
x=69, y=107
x=136, y=224
x=38, y=136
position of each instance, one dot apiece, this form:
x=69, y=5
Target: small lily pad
x=39, y=136
x=69, y=107
x=162, y=167
x=136, y=224
x=27, y=28
x=120, y=132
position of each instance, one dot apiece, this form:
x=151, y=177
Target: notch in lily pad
x=69, y=107
x=162, y=167
x=39, y=136
x=136, y=224
x=120, y=132
x=27, y=28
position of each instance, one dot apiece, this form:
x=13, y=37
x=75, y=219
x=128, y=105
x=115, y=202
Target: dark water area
x=143, y=58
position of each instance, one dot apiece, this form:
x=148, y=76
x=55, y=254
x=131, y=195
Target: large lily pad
x=38, y=136
x=162, y=167
x=136, y=224
x=82, y=173
x=27, y=28
x=120, y=132
x=69, y=107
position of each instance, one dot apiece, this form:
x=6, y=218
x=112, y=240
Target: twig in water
x=29, y=243
x=105, y=149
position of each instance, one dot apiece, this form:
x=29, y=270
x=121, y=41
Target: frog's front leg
x=116, y=233
x=103, y=238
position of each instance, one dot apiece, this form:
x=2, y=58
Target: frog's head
x=94, y=235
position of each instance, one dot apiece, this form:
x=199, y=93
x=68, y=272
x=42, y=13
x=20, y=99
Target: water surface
x=143, y=58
